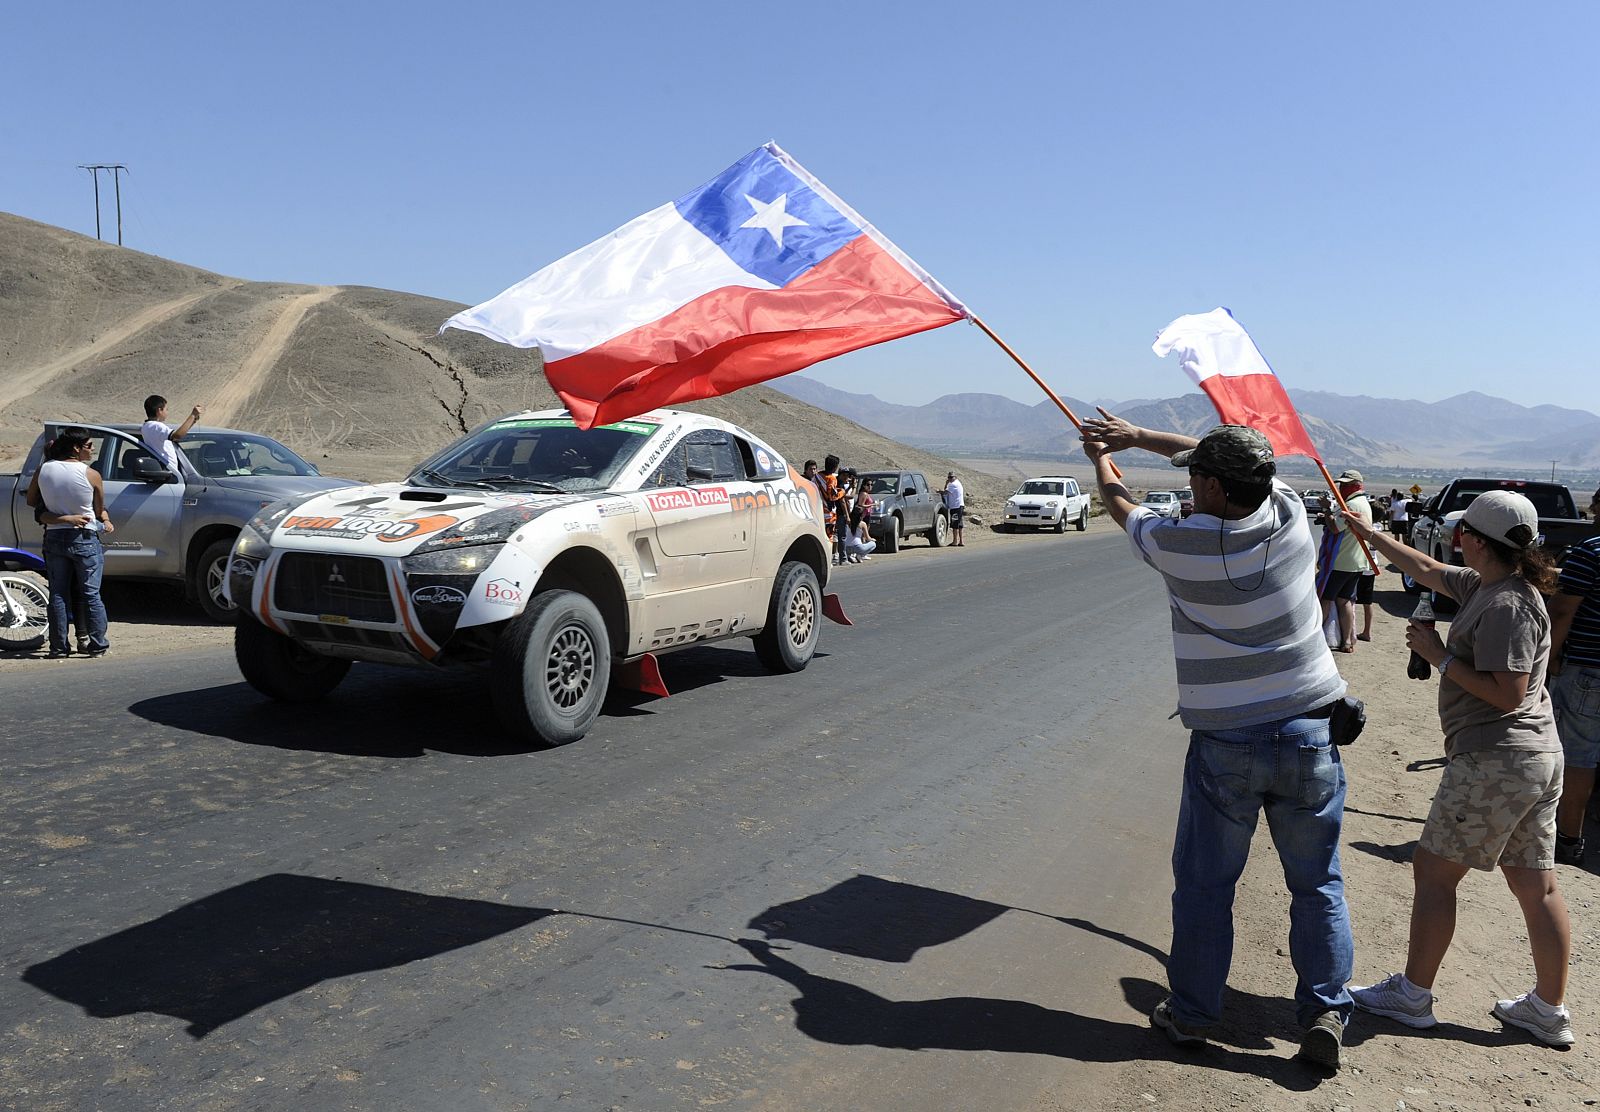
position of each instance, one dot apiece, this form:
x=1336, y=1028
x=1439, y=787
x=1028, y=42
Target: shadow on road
x=381, y=711
x=217, y=959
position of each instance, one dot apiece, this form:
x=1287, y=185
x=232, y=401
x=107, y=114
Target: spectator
x=1496, y=803
x=1575, y=686
x=1399, y=513
x=160, y=438
x=73, y=498
x=834, y=506
x=955, y=500
x=1343, y=576
x=1256, y=696
x=1364, y=586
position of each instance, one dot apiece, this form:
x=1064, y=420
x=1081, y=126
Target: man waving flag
x=759, y=272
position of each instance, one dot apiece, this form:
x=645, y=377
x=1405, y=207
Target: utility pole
x=117, y=170
x=1553, y=470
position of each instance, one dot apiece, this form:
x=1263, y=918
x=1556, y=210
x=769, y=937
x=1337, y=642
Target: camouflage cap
x=1235, y=452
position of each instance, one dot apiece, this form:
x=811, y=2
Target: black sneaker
x=1569, y=851
x=99, y=652
x=1179, y=1034
x=1323, y=1042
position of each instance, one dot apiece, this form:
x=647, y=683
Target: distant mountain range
x=1471, y=431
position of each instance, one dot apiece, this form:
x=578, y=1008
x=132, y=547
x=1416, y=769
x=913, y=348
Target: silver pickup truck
x=178, y=526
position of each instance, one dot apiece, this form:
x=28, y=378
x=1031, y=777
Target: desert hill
x=353, y=378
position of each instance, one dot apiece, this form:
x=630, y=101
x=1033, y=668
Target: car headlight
x=1051, y=505
x=252, y=543
x=491, y=529
x=465, y=559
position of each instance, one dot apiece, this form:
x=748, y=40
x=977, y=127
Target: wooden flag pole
x=1061, y=405
x=1333, y=487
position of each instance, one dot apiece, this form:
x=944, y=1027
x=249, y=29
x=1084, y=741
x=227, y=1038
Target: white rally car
x=550, y=553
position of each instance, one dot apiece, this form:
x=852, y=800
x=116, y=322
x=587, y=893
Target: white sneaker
x=1397, y=998
x=1550, y=1024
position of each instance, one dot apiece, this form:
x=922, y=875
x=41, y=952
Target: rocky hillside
x=356, y=379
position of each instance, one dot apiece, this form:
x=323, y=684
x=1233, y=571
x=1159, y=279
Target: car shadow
x=395, y=712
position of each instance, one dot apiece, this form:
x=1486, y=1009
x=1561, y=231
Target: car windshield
x=1186, y=495
x=219, y=455
x=1548, y=501
x=1039, y=486
x=538, y=453
x=883, y=486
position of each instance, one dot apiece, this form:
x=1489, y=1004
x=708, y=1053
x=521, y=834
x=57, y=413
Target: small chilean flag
x=761, y=271
x=1224, y=361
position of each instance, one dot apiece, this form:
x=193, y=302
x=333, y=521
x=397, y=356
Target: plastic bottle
x=1416, y=667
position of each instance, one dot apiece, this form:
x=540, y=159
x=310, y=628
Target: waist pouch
x=1346, y=719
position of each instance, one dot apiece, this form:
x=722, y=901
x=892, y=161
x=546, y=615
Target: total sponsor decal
x=502, y=592
x=688, y=498
x=353, y=528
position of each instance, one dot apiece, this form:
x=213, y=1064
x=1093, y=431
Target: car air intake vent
x=423, y=496
x=351, y=586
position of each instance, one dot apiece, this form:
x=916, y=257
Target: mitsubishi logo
x=334, y=576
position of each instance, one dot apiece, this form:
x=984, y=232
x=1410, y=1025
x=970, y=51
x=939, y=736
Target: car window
x=219, y=455
x=759, y=462
x=918, y=482
x=541, y=451
x=710, y=458
x=114, y=460
x=883, y=486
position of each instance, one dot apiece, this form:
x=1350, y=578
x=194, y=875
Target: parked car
x=904, y=505
x=1048, y=502
x=172, y=525
x=1316, y=502
x=1436, y=525
x=1185, y=500
x=545, y=552
x=1163, y=503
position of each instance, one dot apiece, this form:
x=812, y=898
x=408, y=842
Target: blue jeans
x=1290, y=769
x=74, y=561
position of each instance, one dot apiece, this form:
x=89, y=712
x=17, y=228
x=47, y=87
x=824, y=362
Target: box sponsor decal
x=502, y=592
x=688, y=498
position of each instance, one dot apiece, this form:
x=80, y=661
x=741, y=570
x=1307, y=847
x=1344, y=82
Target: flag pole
x=1061, y=405
x=1339, y=498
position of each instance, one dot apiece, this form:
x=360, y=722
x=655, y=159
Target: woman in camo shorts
x=1496, y=803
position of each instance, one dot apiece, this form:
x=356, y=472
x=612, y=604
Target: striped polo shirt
x=1580, y=575
x=1246, y=623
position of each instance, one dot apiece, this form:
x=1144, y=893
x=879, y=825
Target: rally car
x=550, y=553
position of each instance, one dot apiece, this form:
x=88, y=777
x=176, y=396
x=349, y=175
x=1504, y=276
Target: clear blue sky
x=1397, y=199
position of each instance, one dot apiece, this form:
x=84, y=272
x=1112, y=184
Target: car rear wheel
x=939, y=535
x=793, y=619
x=280, y=667
x=552, y=669
x=210, y=577
x=1083, y=519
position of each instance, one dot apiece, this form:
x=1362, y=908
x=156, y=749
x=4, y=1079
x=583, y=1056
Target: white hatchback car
x=548, y=553
x=1163, y=502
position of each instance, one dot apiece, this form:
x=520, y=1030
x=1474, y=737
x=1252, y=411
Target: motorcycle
x=24, y=601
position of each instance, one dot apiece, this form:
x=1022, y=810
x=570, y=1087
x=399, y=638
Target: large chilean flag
x=761, y=271
x=1222, y=359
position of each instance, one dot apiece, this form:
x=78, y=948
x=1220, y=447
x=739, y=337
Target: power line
x=117, y=170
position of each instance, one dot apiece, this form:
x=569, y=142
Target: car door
x=699, y=499
x=148, y=515
x=919, y=503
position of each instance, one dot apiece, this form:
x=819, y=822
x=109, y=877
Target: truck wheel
x=1411, y=585
x=891, y=539
x=24, y=612
x=793, y=619
x=210, y=576
x=1083, y=519
x=939, y=535
x=552, y=668
x=281, y=668
x=1061, y=522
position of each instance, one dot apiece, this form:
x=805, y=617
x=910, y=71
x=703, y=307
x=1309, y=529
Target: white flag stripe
x=1210, y=344
x=596, y=293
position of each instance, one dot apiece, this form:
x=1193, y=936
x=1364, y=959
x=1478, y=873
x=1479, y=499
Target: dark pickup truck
x=1436, y=523
x=904, y=504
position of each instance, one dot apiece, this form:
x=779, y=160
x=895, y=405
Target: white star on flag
x=772, y=217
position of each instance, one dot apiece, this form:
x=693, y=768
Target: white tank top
x=66, y=490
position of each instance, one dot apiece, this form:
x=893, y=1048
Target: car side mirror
x=909, y=492
x=147, y=469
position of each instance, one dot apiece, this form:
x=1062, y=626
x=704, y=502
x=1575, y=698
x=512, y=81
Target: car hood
x=393, y=519
x=279, y=486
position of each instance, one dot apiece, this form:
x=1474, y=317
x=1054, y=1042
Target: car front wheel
x=552, y=668
x=280, y=667
x=891, y=539
x=210, y=577
x=793, y=619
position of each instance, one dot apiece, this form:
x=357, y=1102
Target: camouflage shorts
x=1496, y=808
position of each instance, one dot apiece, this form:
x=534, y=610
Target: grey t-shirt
x=1502, y=627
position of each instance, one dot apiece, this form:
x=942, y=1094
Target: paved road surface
x=928, y=872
